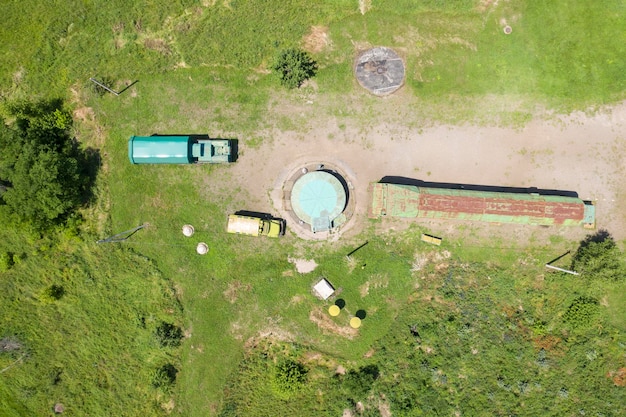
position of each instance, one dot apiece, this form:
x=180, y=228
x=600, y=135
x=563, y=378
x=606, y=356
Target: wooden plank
x=431, y=239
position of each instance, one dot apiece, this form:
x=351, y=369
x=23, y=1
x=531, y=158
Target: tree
x=294, y=66
x=599, y=257
x=43, y=185
x=44, y=173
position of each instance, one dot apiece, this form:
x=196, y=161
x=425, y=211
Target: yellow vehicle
x=255, y=226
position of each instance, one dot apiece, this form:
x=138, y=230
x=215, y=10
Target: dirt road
x=578, y=152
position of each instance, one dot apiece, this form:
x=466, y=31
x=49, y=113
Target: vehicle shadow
x=390, y=179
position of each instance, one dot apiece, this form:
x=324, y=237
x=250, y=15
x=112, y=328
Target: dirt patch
x=271, y=333
x=303, y=266
x=618, y=377
x=547, y=154
x=168, y=406
x=375, y=282
x=421, y=259
x=384, y=409
x=84, y=114
x=327, y=325
x=317, y=39
x=158, y=45
x=364, y=6
x=234, y=289
x=486, y=5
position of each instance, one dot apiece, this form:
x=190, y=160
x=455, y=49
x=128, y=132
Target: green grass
x=200, y=69
x=92, y=346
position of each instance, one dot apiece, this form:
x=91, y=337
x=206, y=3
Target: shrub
x=581, y=312
x=165, y=376
x=289, y=377
x=598, y=257
x=52, y=293
x=357, y=383
x=294, y=66
x=168, y=334
x=6, y=261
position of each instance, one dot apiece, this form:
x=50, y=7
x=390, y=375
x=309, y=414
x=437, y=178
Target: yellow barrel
x=355, y=322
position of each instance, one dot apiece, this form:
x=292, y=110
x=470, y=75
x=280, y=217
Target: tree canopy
x=293, y=67
x=44, y=170
x=599, y=257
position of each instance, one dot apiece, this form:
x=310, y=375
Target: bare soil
x=579, y=152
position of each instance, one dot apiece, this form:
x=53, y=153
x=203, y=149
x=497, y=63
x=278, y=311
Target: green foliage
x=165, y=377
x=582, y=312
x=598, y=257
x=6, y=261
x=89, y=342
x=43, y=165
x=168, y=334
x=52, y=293
x=461, y=66
x=357, y=383
x=289, y=377
x=293, y=67
x=45, y=186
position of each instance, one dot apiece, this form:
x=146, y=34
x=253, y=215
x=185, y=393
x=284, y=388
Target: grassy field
x=201, y=66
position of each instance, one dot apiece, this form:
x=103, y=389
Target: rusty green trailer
x=399, y=200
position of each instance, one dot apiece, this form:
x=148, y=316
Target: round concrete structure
x=318, y=198
x=380, y=70
x=202, y=248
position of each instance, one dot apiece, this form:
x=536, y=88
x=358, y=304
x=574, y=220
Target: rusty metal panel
x=410, y=201
x=394, y=200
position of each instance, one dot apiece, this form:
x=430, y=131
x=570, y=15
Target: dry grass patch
x=159, y=45
x=317, y=39
x=235, y=288
x=365, y=6
x=326, y=324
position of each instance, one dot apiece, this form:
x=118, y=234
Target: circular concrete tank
x=318, y=198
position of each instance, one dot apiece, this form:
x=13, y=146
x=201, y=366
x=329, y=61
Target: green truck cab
x=178, y=150
x=255, y=226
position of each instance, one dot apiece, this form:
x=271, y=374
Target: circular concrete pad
x=380, y=70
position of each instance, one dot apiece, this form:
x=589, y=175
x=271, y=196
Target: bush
x=357, y=383
x=294, y=66
x=168, y=334
x=52, y=293
x=165, y=376
x=581, y=312
x=289, y=377
x=6, y=261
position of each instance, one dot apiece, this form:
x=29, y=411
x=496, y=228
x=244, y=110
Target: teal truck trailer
x=178, y=150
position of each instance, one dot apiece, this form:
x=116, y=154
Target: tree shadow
x=600, y=236
x=89, y=162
